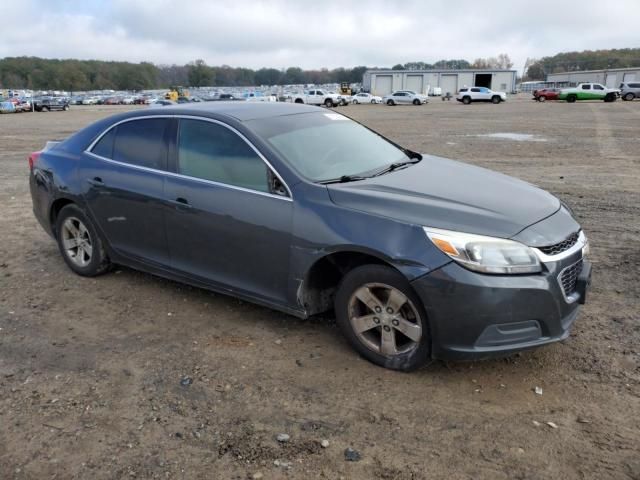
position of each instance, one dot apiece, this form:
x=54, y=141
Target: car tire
x=79, y=243
x=355, y=102
x=65, y=108
x=466, y=100
x=416, y=102
x=46, y=109
x=298, y=100
x=375, y=328
x=610, y=97
x=328, y=103
x=391, y=103
x=373, y=102
x=628, y=96
x=542, y=98
x=495, y=99
x=571, y=98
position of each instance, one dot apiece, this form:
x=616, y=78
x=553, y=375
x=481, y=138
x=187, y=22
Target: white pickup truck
x=589, y=91
x=318, y=97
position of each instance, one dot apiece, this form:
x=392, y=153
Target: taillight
x=33, y=158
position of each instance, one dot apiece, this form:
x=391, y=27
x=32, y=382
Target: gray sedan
x=306, y=211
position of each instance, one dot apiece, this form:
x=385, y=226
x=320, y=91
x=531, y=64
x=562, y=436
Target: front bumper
x=474, y=316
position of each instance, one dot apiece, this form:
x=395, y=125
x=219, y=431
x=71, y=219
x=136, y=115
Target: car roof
x=241, y=111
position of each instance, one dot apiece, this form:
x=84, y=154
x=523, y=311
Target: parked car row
x=589, y=91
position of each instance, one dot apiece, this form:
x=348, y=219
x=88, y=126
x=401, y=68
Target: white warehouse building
x=611, y=77
x=382, y=82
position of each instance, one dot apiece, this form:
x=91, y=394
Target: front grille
x=569, y=278
x=563, y=246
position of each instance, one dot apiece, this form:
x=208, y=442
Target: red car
x=546, y=94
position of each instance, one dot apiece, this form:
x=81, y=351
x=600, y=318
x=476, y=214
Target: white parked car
x=467, y=95
x=259, y=97
x=405, y=96
x=89, y=100
x=366, y=98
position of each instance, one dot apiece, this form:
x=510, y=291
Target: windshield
x=325, y=146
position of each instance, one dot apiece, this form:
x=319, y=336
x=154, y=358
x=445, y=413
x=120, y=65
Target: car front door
x=230, y=221
x=122, y=176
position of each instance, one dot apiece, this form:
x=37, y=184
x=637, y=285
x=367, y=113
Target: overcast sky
x=313, y=34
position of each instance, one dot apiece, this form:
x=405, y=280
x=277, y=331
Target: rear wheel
x=416, y=102
x=628, y=96
x=79, y=243
x=298, y=100
x=571, y=98
x=466, y=100
x=383, y=318
x=390, y=103
x=45, y=109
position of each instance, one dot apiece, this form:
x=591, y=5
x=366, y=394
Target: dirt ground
x=131, y=376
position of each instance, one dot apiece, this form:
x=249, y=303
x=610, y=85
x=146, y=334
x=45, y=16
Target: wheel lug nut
x=378, y=309
x=395, y=322
x=376, y=319
x=389, y=310
x=386, y=328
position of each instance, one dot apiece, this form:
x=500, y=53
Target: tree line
x=81, y=75
x=77, y=75
x=538, y=69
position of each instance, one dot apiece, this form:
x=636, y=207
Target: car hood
x=442, y=193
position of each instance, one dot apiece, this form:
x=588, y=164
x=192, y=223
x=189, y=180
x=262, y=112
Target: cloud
x=281, y=33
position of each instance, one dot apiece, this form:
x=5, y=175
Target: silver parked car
x=405, y=96
x=630, y=90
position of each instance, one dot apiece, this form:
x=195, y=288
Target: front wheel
x=610, y=97
x=328, y=103
x=382, y=318
x=79, y=243
x=373, y=102
x=496, y=99
x=391, y=103
x=542, y=98
x=65, y=108
x=355, y=102
x=416, y=102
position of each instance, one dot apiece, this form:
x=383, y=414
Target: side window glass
x=586, y=87
x=598, y=87
x=141, y=142
x=475, y=89
x=104, y=147
x=212, y=152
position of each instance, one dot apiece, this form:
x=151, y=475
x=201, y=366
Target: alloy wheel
x=384, y=319
x=77, y=241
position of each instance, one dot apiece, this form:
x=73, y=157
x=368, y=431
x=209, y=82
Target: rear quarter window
x=104, y=147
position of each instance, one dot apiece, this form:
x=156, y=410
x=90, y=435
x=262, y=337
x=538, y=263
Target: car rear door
x=227, y=225
x=123, y=177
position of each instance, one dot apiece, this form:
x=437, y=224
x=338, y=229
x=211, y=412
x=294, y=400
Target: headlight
x=485, y=254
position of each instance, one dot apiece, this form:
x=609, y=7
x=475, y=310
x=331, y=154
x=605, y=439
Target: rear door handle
x=96, y=181
x=181, y=203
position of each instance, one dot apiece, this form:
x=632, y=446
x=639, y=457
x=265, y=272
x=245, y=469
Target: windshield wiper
x=343, y=179
x=396, y=166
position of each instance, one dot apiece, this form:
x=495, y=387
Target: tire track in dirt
x=604, y=134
